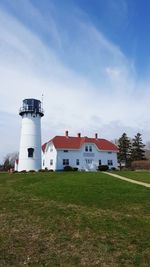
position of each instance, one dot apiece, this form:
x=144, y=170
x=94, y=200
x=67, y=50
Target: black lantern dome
x=32, y=106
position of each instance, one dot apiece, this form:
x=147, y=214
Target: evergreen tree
x=124, y=146
x=137, y=151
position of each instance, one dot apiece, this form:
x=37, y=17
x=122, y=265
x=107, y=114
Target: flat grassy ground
x=142, y=176
x=73, y=219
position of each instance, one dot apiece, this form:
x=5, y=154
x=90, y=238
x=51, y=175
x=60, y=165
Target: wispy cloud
x=88, y=83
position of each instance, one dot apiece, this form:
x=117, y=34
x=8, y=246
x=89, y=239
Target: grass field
x=142, y=176
x=73, y=219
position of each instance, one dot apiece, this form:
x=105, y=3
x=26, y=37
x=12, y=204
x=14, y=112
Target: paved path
x=128, y=180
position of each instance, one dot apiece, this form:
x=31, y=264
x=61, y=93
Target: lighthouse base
x=28, y=165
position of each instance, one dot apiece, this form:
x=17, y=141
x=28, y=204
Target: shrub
x=15, y=171
x=75, y=169
x=23, y=171
x=68, y=168
x=32, y=171
x=103, y=168
x=45, y=170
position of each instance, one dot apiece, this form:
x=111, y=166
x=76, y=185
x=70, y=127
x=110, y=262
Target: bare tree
x=147, y=146
x=9, y=161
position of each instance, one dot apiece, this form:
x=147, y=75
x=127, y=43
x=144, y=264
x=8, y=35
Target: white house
x=81, y=152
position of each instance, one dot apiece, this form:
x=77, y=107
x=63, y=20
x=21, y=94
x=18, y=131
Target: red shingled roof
x=68, y=142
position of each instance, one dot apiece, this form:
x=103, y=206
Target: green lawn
x=73, y=219
x=142, y=176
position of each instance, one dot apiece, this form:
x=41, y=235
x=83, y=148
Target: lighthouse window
x=30, y=152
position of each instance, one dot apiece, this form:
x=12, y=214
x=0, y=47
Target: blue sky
x=90, y=58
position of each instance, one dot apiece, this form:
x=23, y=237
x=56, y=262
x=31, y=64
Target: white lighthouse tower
x=30, y=142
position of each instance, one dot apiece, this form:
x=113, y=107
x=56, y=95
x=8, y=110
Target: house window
x=51, y=161
x=77, y=162
x=65, y=162
x=109, y=152
x=100, y=162
x=51, y=149
x=110, y=162
x=65, y=151
x=43, y=162
x=86, y=148
x=30, y=152
x=90, y=148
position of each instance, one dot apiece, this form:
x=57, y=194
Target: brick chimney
x=96, y=136
x=66, y=133
x=79, y=135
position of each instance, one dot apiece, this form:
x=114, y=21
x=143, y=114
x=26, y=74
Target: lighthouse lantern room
x=30, y=141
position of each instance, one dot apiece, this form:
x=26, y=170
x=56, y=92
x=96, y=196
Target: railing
x=31, y=109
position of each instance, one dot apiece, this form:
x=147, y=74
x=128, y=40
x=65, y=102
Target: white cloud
x=96, y=95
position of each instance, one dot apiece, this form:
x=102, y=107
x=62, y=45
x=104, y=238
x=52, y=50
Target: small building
x=79, y=152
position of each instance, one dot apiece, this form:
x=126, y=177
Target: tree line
x=130, y=149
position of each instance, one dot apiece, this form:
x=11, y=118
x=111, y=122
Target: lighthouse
x=30, y=141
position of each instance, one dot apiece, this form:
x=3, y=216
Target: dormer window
x=90, y=148
x=30, y=152
x=86, y=148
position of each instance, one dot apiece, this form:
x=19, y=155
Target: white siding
x=89, y=160
x=49, y=153
x=30, y=138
